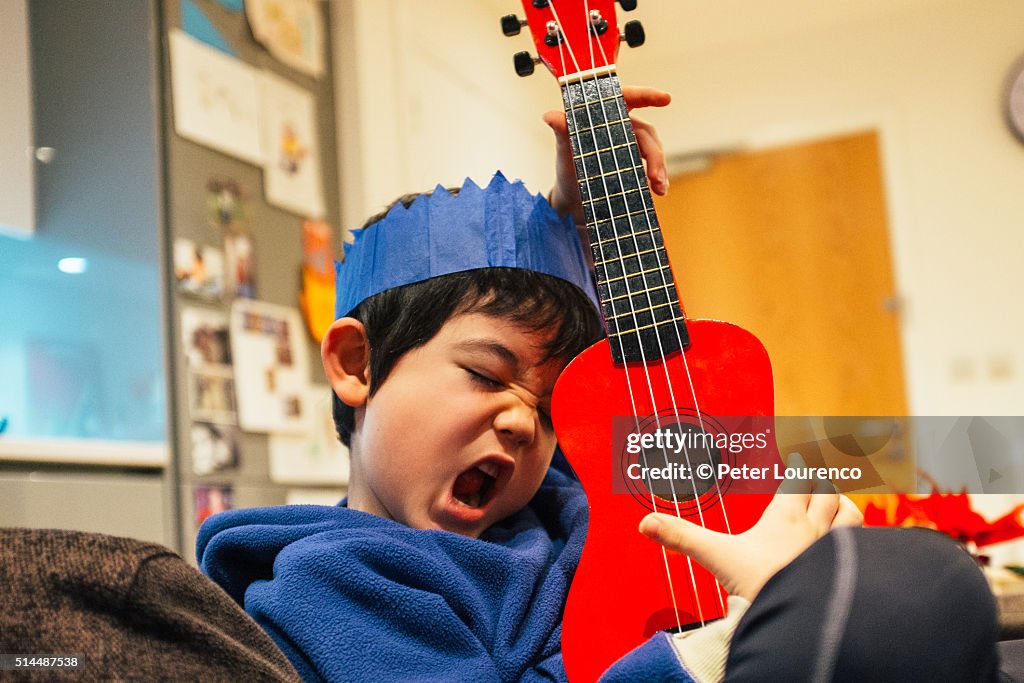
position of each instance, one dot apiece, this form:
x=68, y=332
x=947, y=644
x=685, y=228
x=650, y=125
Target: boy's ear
x=346, y=356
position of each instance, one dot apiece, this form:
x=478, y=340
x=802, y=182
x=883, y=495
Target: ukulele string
x=637, y=167
x=585, y=184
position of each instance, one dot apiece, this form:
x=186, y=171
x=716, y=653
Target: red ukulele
x=648, y=416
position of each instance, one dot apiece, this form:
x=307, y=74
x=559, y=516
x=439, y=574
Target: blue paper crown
x=503, y=225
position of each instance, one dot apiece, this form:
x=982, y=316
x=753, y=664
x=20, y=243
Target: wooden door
x=792, y=243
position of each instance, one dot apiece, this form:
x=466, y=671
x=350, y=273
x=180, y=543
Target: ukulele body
x=620, y=595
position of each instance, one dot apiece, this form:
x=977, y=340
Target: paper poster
x=316, y=300
x=211, y=390
x=317, y=457
x=273, y=379
x=225, y=205
x=291, y=30
x=216, y=98
x=291, y=170
x=214, y=447
x=240, y=265
x=209, y=500
x=195, y=23
x=198, y=271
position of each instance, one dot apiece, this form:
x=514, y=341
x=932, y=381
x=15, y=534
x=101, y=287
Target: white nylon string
x=637, y=167
x=571, y=109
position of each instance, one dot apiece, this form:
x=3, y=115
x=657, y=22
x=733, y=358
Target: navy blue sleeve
x=655, y=660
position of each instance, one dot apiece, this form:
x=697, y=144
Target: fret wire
x=606, y=149
x=607, y=174
x=587, y=103
x=650, y=231
x=641, y=272
x=647, y=327
x=621, y=194
x=641, y=310
x=665, y=287
x=598, y=262
x=605, y=124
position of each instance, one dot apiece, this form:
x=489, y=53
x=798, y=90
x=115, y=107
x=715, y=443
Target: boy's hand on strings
x=800, y=513
x=565, y=196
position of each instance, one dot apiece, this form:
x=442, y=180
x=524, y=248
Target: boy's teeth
x=491, y=469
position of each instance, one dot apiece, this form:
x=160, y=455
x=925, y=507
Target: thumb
x=679, y=534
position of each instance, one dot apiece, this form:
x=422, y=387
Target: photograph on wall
x=211, y=384
x=214, y=447
x=209, y=500
x=204, y=333
x=198, y=270
x=269, y=347
x=212, y=394
x=226, y=205
x=316, y=457
x=215, y=99
x=291, y=170
x=239, y=266
x=291, y=30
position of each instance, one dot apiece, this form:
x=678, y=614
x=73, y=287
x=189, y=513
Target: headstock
x=572, y=36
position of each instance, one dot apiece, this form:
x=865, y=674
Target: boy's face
x=458, y=436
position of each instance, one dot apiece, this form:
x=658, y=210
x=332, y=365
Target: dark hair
x=404, y=318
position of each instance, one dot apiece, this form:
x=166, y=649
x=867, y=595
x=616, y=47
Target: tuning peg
x=633, y=33
x=524, y=63
x=510, y=25
x=627, y=5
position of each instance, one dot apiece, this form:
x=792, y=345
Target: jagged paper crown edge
x=503, y=224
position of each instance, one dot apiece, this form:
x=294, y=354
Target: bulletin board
x=251, y=158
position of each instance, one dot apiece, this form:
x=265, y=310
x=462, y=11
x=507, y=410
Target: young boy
x=453, y=553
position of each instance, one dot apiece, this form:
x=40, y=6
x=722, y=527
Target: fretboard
x=642, y=315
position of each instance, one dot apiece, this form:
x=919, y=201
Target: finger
x=653, y=153
x=678, y=534
x=796, y=490
x=637, y=96
x=821, y=511
x=848, y=514
x=556, y=121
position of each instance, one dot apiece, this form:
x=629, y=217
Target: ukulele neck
x=641, y=308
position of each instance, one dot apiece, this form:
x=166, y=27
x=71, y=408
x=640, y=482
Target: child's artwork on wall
x=291, y=170
x=225, y=205
x=216, y=100
x=270, y=352
x=214, y=447
x=316, y=299
x=291, y=30
x=316, y=457
x=198, y=271
x=211, y=390
x=240, y=258
x=209, y=500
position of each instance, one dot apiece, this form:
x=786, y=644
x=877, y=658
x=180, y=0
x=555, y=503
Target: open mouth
x=476, y=486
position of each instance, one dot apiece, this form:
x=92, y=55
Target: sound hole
x=687, y=454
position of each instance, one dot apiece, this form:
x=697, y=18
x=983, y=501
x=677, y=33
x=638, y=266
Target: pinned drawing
x=292, y=178
x=216, y=98
x=291, y=30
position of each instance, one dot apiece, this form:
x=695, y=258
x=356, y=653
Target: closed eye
x=483, y=380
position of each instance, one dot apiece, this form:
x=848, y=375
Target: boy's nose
x=517, y=423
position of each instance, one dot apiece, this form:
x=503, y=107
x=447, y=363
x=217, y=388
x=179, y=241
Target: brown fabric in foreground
x=130, y=610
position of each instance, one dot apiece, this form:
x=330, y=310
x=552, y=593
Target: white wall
x=428, y=94
x=17, y=171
